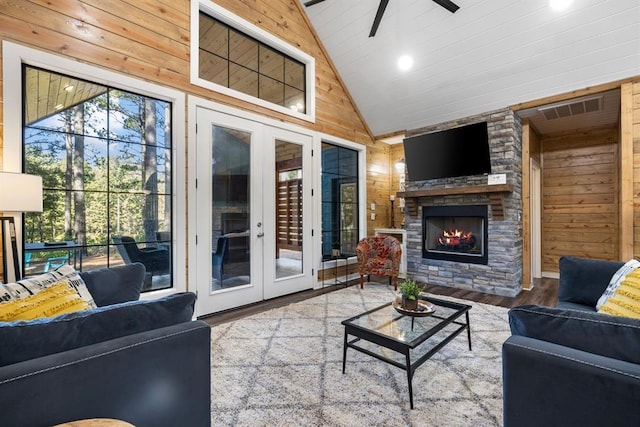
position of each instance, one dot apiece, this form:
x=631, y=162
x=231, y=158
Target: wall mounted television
x=449, y=153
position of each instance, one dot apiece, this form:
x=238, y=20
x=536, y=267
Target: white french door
x=253, y=237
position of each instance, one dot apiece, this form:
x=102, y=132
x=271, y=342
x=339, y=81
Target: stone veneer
x=503, y=273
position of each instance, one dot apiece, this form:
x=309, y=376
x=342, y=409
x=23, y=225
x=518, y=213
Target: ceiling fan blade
x=449, y=5
x=378, y=18
x=312, y=2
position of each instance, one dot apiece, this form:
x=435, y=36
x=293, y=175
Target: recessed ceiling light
x=560, y=5
x=405, y=62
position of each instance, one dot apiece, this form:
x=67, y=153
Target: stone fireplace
x=490, y=259
x=455, y=233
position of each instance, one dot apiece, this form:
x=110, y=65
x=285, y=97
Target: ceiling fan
x=447, y=4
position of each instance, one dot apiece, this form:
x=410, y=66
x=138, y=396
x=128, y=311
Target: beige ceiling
x=489, y=55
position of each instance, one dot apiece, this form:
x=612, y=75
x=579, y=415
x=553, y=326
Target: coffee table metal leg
x=409, y=377
x=468, y=330
x=344, y=352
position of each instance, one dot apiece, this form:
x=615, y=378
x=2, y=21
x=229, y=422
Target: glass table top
x=387, y=323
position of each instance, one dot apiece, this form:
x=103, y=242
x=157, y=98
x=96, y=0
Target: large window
x=104, y=156
x=235, y=57
x=339, y=200
x=237, y=61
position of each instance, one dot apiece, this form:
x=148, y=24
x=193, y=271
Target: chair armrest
x=155, y=378
x=552, y=385
x=154, y=250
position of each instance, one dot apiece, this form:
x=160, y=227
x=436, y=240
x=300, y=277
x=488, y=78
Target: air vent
x=572, y=108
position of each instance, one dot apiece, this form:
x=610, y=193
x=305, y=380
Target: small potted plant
x=335, y=249
x=410, y=291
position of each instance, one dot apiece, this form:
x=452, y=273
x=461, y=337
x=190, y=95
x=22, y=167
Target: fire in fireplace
x=455, y=233
x=458, y=241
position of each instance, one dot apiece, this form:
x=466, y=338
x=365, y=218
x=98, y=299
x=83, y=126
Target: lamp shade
x=20, y=192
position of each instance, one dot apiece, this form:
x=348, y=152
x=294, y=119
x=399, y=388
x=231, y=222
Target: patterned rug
x=283, y=367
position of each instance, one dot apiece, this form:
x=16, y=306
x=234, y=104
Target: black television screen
x=453, y=152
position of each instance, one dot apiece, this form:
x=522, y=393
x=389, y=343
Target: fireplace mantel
x=496, y=196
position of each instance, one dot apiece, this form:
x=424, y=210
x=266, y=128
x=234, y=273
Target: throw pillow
x=113, y=285
x=583, y=280
x=57, y=299
x=625, y=300
x=619, y=276
x=27, y=287
x=36, y=338
x=610, y=336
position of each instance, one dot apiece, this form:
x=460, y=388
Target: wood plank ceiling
x=54, y=93
x=489, y=55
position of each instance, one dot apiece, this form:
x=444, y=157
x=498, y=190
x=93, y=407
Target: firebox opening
x=455, y=233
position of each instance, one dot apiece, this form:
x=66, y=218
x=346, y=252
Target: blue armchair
x=157, y=261
x=569, y=365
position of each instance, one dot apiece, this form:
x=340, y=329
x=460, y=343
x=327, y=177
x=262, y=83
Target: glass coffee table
x=418, y=336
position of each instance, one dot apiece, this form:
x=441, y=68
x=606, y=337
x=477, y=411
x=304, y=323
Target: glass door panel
x=287, y=213
x=289, y=207
x=253, y=181
x=230, y=207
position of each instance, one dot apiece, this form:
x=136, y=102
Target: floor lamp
x=19, y=193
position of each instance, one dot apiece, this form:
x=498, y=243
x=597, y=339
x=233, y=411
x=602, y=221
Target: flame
x=454, y=237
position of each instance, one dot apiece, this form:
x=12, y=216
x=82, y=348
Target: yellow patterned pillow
x=26, y=288
x=625, y=300
x=58, y=298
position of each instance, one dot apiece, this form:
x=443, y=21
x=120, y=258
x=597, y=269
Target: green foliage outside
x=105, y=167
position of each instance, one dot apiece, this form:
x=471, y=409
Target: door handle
x=260, y=234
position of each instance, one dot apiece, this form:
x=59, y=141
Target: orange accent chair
x=380, y=256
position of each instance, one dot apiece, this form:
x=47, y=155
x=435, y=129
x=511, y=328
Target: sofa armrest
x=582, y=280
x=155, y=378
x=552, y=385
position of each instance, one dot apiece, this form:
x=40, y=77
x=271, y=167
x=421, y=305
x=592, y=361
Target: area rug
x=283, y=367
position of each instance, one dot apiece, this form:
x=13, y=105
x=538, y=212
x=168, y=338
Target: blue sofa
x=144, y=362
x=568, y=365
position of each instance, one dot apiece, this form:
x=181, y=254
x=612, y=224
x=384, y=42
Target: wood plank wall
x=396, y=154
x=580, y=196
x=150, y=40
x=377, y=187
x=635, y=129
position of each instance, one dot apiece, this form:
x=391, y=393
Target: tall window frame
x=15, y=55
x=341, y=199
x=104, y=155
x=268, y=40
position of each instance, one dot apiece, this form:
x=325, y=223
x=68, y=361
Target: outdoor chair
x=163, y=239
x=157, y=261
x=380, y=256
x=55, y=262
x=219, y=256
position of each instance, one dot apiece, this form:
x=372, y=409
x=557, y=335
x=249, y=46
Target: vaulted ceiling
x=488, y=55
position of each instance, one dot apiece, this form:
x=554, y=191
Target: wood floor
x=544, y=292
